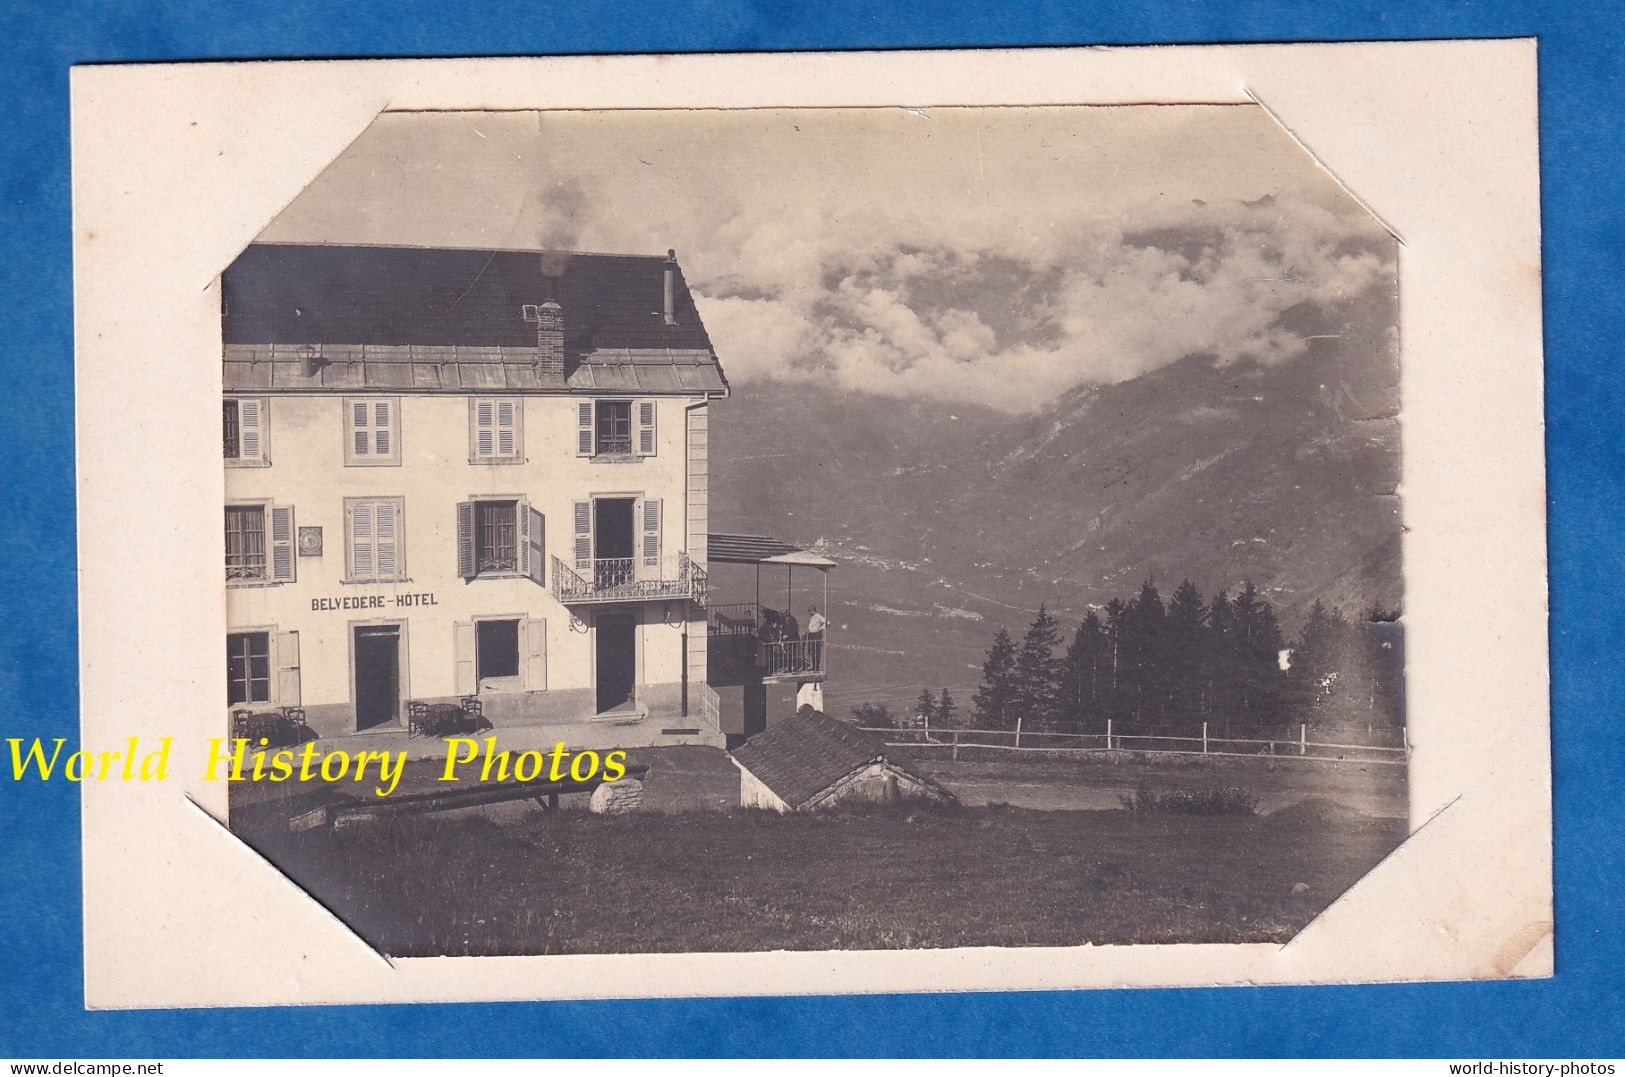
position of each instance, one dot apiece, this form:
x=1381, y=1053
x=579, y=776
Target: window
x=244, y=431
x=496, y=430
x=501, y=654
x=372, y=432
x=493, y=537
x=256, y=553
x=616, y=429
x=248, y=667
x=245, y=542
x=496, y=649
x=500, y=537
x=373, y=539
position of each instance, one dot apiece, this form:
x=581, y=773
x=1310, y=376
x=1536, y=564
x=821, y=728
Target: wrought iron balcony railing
x=629, y=579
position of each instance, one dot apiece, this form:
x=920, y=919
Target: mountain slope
x=949, y=521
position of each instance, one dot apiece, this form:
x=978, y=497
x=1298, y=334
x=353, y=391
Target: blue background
x=1575, y=1015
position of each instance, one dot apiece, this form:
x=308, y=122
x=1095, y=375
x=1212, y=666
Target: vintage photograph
x=817, y=529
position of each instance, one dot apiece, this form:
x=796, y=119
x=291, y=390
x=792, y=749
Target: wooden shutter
x=387, y=529
x=507, y=429
x=651, y=532
x=462, y=657
x=535, y=541
x=362, y=543
x=521, y=537
x=465, y=540
x=533, y=648
x=646, y=427
x=287, y=669
x=583, y=534
x=484, y=429
x=360, y=436
x=383, y=428
x=281, y=544
x=250, y=430
x=584, y=438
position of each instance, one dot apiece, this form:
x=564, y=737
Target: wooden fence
x=1015, y=740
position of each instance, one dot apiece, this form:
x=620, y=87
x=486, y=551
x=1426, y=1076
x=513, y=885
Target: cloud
x=1013, y=328
x=1000, y=256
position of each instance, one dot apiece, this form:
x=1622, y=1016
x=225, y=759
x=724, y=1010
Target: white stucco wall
x=307, y=471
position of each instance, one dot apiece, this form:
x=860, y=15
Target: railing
x=710, y=705
x=791, y=658
x=1015, y=740
x=629, y=579
x=733, y=619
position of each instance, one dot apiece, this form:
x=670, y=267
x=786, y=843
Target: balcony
x=629, y=579
x=749, y=642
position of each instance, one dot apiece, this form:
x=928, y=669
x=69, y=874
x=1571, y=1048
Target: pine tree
x=1038, y=673
x=1185, y=657
x=1311, y=673
x=1085, y=673
x=925, y=710
x=1144, y=666
x=947, y=710
x=1116, y=694
x=1222, y=670
x=1256, y=650
x=993, y=698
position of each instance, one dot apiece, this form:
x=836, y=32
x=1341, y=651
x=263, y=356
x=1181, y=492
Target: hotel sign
x=373, y=602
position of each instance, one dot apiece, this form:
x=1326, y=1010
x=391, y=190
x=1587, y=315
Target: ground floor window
x=248, y=667
x=496, y=650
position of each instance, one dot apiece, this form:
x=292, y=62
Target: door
x=612, y=542
x=377, y=675
x=617, y=661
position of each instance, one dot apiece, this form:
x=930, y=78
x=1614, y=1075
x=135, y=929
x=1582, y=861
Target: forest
x=1166, y=668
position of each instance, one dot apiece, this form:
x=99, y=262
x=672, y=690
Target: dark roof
x=809, y=752
x=294, y=293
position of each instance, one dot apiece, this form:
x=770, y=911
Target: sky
x=1000, y=256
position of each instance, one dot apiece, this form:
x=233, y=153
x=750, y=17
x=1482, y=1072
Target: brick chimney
x=550, y=340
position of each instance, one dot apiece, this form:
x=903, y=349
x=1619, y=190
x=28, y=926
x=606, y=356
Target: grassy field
x=574, y=882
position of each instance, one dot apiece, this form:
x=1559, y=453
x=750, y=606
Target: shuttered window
x=496, y=430
x=374, y=539
x=494, y=549
x=500, y=537
x=259, y=543
x=372, y=432
x=614, y=428
x=245, y=431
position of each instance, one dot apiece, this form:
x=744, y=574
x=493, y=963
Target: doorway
x=612, y=539
x=377, y=675
x=617, y=664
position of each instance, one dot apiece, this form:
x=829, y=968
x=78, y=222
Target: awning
x=760, y=550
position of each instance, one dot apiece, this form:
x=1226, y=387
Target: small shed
x=812, y=761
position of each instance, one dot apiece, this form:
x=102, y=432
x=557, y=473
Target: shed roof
x=809, y=752
x=732, y=549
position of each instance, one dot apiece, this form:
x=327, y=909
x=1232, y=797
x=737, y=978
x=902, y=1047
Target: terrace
x=754, y=641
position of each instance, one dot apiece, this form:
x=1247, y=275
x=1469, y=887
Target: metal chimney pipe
x=670, y=307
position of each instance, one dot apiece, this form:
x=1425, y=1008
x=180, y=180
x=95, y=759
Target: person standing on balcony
x=815, y=638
